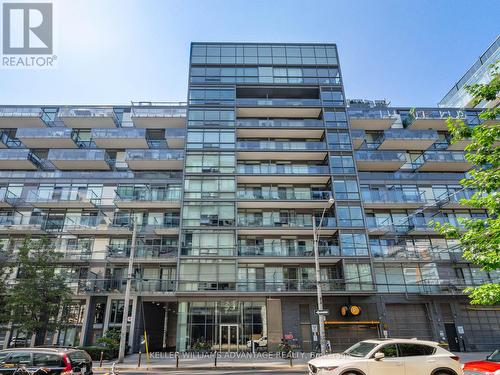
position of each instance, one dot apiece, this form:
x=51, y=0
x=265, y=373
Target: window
x=413, y=350
x=207, y=274
x=350, y=216
x=210, y=162
x=342, y=164
x=209, y=187
x=204, y=117
x=339, y=140
x=208, y=214
x=358, y=276
x=390, y=351
x=18, y=358
x=47, y=360
x=210, y=138
x=332, y=97
x=117, y=307
x=346, y=189
x=353, y=244
x=211, y=96
x=197, y=243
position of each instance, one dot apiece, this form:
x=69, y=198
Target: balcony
x=358, y=137
x=81, y=159
x=149, y=286
x=95, y=225
x=371, y=119
x=276, y=150
x=301, y=286
x=303, y=128
x=160, y=159
x=441, y=161
x=159, y=117
x=278, y=225
x=415, y=253
x=166, y=226
x=120, y=138
x=284, y=108
x=283, y=173
x=22, y=225
x=175, y=138
x=7, y=198
x=143, y=252
x=47, y=137
x=67, y=198
x=393, y=199
x=379, y=160
x=287, y=251
x=88, y=117
x=21, y=117
x=151, y=198
x=277, y=199
x=433, y=118
x=18, y=159
x=405, y=139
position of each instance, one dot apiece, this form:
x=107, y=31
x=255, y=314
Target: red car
x=490, y=366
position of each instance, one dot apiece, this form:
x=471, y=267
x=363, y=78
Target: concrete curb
x=298, y=367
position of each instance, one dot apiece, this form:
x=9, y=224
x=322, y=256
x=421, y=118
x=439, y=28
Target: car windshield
x=494, y=357
x=361, y=349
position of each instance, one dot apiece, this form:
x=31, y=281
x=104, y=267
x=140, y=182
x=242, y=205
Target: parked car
x=260, y=343
x=490, y=366
x=55, y=361
x=388, y=357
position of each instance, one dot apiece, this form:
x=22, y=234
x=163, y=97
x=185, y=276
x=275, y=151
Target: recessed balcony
x=433, y=118
x=444, y=161
x=159, y=159
x=88, y=117
x=68, y=198
x=358, y=137
x=285, y=173
x=379, y=160
x=7, y=198
x=18, y=159
x=21, y=117
x=175, y=138
x=278, y=150
x=119, y=138
x=159, y=117
x=371, y=119
x=285, y=108
x=405, y=139
x=300, y=128
x=47, y=137
x=80, y=159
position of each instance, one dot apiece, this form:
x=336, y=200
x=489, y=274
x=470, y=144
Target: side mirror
x=378, y=356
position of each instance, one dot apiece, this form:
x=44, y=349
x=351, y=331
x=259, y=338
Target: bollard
x=176, y=359
x=139, y=360
x=215, y=359
x=100, y=361
x=290, y=356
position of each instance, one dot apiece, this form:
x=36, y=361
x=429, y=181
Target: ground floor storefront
x=185, y=324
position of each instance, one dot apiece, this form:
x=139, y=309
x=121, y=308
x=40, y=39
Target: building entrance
x=229, y=338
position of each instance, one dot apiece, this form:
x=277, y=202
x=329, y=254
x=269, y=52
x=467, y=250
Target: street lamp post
x=319, y=292
x=123, y=333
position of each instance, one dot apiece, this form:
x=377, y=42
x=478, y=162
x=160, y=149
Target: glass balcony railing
x=287, y=251
x=278, y=102
x=277, y=221
x=149, y=195
x=365, y=114
x=390, y=196
x=178, y=110
x=415, y=253
x=451, y=156
x=282, y=169
x=438, y=114
x=138, y=285
x=407, y=134
x=64, y=195
x=358, y=133
x=143, y=251
x=21, y=112
x=78, y=155
x=119, y=133
x=22, y=221
x=8, y=196
x=279, y=123
x=272, y=145
x=284, y=195
x=45, y=133
x=301, y=285
x=156, y=155
x=88, y=112
x=380, y=156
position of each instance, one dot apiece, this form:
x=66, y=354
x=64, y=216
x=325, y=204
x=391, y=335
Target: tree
x=5, y=271
x=480, y=238
x=35, y=300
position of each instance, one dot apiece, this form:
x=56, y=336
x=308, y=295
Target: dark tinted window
x=19, y=358
x=77, y=357
x=412, y=350
x=390, y=351
x=47, y=360
x=3, y=356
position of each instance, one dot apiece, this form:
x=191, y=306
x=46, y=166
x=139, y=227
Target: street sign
x=322, y=312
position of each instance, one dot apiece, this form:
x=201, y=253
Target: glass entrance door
x=229, y=337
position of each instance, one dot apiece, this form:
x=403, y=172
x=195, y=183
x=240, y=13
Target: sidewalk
x=240, y=361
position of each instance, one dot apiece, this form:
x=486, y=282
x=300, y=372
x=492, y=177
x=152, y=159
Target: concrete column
x=85, y=324
x=131, y=335
x=107, y=315
x=274, y=323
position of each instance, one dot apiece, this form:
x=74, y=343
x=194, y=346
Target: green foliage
x=36, y=298
x=95, y=352
x=480, y=238
x=111, y=339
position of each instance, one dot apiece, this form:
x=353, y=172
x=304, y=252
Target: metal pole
x=123, y=336
x=321, y=318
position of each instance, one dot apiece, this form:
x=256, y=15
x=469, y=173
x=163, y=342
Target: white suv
x=389, y=357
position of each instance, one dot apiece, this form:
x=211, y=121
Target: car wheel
x=441, y=372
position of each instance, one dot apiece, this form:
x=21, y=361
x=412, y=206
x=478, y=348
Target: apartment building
x=224, y=192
